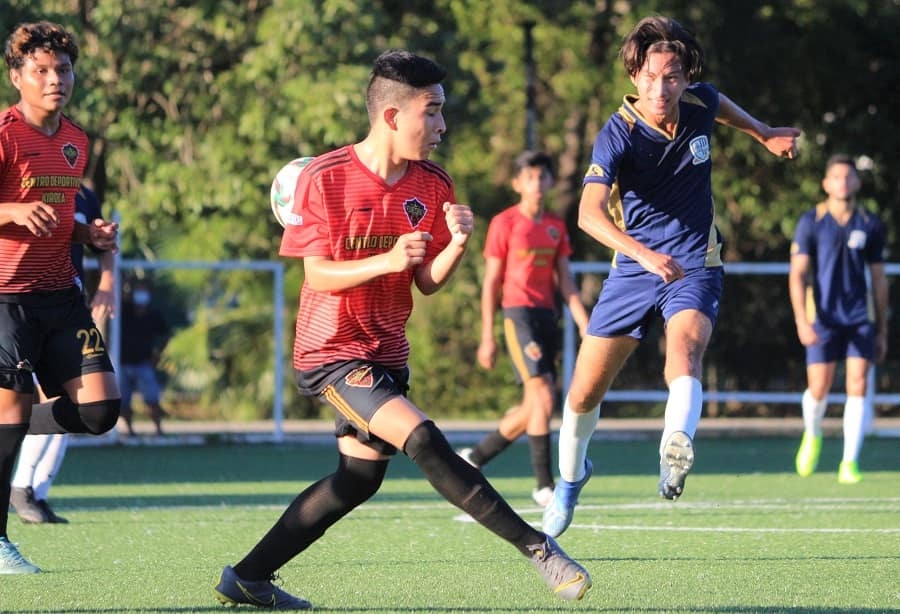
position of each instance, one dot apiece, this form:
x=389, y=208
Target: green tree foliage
x=194, y=105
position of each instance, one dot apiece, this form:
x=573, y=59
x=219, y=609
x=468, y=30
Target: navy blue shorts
x=49, y=334
x=532, y=339
x=840, y=342
x=629, y=301
x=355, y=389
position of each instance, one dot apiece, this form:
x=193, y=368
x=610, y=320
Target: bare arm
x=880, y=296
x=490, y=302
x=434, y=274
x=326, y=275
x=103, y=301
x=797, y=284
x=595, y=220
x=781, y=141
x=569, y=291
x=40, y=219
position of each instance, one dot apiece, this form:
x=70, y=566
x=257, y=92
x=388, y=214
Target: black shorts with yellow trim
x=355, y=389
x=532, y=340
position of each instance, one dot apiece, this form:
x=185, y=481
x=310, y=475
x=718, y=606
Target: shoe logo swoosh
x=270, y=603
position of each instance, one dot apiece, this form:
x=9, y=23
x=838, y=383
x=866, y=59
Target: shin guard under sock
x=466, y=488
x=308, y=517
x=11, y=436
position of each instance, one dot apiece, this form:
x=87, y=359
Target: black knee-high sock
x=466, y=488
x=308, y=517
x=539, y=445
x=489, y=447
x=11, y=436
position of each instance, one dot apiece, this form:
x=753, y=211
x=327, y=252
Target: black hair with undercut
x=397, y=75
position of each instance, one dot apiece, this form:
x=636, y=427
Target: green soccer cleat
x=234, y=590
x=675, y=464
x=566, y=578
x=12, y=562
x=848, y=473
x=808, y=455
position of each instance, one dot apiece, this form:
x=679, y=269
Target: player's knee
x=99, y=416
x=357, y=479
x=425, y=437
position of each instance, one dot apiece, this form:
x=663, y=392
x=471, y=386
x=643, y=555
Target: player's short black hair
x=397, y=75
x=530, y=159
x=408, y=68
x=840, y=158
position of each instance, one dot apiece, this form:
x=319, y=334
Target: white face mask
x=141, y=297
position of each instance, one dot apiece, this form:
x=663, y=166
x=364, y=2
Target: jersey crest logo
x=70, y=153
x=595, y=170
x=360, y=378
x=700, y=149
x=857, y=239
x=533, y=351
x=553, y=233
x=415, y=211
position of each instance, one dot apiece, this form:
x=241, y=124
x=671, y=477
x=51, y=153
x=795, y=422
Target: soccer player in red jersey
x=526, y=263
x=370, y=220
x=46, y=328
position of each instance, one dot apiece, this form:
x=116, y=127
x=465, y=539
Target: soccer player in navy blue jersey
x=648, y=196
x=839, y=314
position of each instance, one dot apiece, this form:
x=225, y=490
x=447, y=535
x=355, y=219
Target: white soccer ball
x=282, y=193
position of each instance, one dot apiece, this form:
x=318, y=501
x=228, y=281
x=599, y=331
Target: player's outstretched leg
x=565, y=577
x=675, y=464
x=234, y=590
x=558, y=513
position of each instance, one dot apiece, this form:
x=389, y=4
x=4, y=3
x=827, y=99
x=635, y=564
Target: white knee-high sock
x=813, y=412
x=683, y=407
x=854, y=416
x=49, y=464
x=29, y=456
x=575, y=434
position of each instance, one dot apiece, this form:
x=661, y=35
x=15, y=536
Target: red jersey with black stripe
x=343, y=211
x=34, y=166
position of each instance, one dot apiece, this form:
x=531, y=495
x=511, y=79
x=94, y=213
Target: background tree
x=193, y=106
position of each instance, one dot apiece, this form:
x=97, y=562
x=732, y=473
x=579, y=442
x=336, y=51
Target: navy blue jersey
x=87, y=209
x=838, y=257
x=661, y=188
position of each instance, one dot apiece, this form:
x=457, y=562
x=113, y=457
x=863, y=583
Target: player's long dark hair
x=662, y=34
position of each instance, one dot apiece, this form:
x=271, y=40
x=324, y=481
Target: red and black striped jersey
x=343, y=211
x=34, y=166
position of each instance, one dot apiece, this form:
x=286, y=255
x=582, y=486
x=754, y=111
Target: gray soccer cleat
x=675, y=464
x=566, y=578
x=233, y=590
x=26, y=506
x=12, y=562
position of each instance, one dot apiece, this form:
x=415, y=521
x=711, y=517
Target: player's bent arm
x=594, y=219
x=798, y=275
x=323, y=274
x=781, y=141
x=432, y=275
